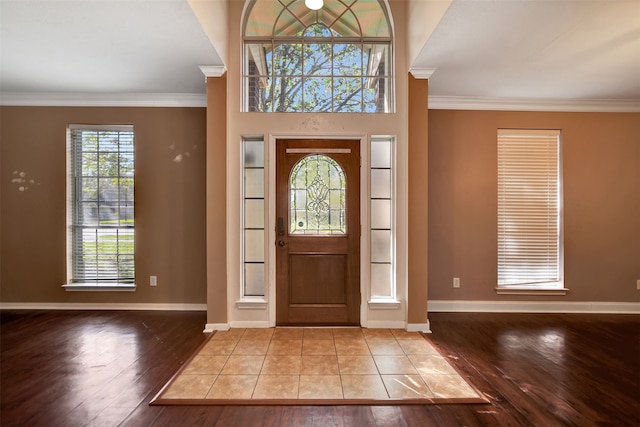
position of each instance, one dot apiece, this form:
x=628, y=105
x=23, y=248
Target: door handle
x=280, y=226
x=281, y=243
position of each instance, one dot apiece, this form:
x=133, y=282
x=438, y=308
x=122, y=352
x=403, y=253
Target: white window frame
x=530, y=226
x=76, y=278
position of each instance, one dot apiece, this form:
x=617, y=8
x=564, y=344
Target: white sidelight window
x=382, y=230
x=253, y=218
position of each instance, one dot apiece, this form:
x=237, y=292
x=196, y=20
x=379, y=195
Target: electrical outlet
x=456, y=282
x=153, y=280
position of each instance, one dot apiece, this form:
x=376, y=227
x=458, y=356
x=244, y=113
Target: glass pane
x=375, y=95
x=107, y=141
x=317, y=196
x=253, y=153
x=126, y=215
x=108, y=164
x=126, y=164
x=317, y=59
x=89, y=188
x=89, y=141
x=376, y=60
x=254, y=183
x=347, y=59
x=380, y=183
x=254, y=279
x=381, y=280
x=287, y=93
x=261, y=18
x=254, y=245
x=258, y=59
x=126, y=189
x=380, y=153
x=254, y=213
x=381, y=214
x=347, y=94
x=287, y=59
x=87, y=214
x=89, y=164
x=380, y=246
x=126, y=141
x=372, y=18
x=317, y=94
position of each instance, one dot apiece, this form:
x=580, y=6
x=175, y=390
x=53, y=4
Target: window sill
x=95, y=287
x=530, y=290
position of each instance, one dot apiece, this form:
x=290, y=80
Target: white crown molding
x=422, y=72
x=595, y=307
x=213, y=70
x=100, y=306
x=59, y=99
x=526, y=104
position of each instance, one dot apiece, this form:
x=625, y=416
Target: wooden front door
x=318, y=232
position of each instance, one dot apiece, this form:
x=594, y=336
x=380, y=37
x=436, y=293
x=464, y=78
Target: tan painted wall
x=170, y=203
x=601, y=162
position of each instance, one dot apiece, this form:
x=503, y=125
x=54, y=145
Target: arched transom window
x=335, y=59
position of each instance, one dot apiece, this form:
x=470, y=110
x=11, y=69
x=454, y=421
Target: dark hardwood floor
x=101, y=368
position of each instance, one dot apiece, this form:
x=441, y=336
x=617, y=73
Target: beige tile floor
x=318, y=363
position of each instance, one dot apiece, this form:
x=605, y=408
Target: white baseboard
x=386, y=324
x=419, y=327
x=100, y=306
x=249, y=324
x=595, y=307
x=212, y=327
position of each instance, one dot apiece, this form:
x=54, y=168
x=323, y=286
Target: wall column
x=417, y=319
x=217, y=317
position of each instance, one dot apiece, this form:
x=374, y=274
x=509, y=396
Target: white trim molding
x=250, y=324
x=595, y=307
x=67, y=99
x=422, y=72
x=384, y=304
x=419, y=327
x=251, y=304
x=100, y=306
x=528, y=104
x=212, y=327
x=213, y=70
x=386, y=324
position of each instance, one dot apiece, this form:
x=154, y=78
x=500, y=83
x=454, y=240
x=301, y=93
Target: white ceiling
x=554, y=50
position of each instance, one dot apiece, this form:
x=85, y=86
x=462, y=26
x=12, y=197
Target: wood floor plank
x=102, y=368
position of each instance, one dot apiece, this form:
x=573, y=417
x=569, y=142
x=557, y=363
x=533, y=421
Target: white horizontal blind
x=102, y=197
x=528, y=207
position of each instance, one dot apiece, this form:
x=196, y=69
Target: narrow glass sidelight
x=317, y=196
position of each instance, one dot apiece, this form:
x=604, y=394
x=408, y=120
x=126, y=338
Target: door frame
x=270, y=197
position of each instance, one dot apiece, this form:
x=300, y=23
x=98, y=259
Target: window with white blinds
x=529, y=207
x=101, y=206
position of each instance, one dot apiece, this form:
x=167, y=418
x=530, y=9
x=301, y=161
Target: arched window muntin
x=317, y=196
x=339, y=85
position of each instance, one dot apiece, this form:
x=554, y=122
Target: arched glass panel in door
x=317, y=196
